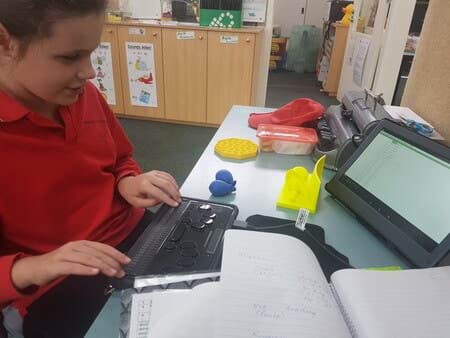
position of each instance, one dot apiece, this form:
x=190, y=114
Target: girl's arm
x=140, y=190
x=8, y=292
x=125, y=164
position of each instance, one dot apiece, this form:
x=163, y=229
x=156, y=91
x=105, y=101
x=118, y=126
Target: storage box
x=220, y=18
x=286, y=139
x=278, y=53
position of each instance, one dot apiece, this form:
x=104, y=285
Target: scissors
x=421, y=128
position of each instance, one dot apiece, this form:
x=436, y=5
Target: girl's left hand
x=150, y=189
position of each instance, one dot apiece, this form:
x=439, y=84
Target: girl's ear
x=9, y=46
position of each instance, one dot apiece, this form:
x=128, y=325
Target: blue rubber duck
x=223, y=185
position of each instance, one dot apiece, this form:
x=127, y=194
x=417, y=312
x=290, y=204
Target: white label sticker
x=229, y=39
x=186, y=35
x=302, y=218
x=136, y=31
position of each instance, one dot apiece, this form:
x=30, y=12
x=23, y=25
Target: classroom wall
x=287, y=13
x=113, y=4
x=428, y=87
x=317, y=12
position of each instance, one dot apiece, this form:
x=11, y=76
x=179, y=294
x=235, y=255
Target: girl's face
x=55, y=70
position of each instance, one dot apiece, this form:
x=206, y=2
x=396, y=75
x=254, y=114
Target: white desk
x=259, y=182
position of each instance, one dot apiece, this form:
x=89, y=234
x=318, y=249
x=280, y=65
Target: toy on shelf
x=347, y=19
x=224, y=183
x=301, y=189
x=236, y=148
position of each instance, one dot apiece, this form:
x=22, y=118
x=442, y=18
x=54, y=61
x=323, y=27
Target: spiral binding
x=347, y=319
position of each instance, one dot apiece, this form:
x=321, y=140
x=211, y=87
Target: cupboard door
x=185, y=74
x=335, y=50
x=105, y=60
x=230, y=71
x=142, y=71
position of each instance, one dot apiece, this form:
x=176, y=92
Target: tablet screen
x=413, y=183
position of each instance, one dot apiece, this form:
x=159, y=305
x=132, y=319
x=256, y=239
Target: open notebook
x=272, y=287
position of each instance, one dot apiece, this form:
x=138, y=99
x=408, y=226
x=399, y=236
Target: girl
x=71, y=196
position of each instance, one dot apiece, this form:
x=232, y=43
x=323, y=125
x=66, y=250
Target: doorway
x=283, y=85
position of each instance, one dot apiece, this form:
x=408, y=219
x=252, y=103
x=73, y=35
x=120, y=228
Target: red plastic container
x=286, y=139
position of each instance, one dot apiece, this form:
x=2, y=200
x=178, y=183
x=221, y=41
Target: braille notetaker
x=184, y=239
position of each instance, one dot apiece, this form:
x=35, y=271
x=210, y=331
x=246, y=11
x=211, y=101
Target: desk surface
x=259, y=182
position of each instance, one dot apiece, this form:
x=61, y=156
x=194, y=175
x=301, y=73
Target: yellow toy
x=114, y=17
x=301, y=189
x=236, y=148
x=347, y=19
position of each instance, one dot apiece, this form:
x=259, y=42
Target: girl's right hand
x=75, y=258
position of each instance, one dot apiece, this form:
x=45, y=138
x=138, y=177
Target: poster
x=350, y=51
x=141, y=74
x=254, y=10
x=101, y=60
x=359, y=59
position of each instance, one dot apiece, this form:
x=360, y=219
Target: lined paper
x=272, y=286
x=392, y=304
x=175, y=313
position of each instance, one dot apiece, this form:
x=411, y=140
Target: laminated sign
x=141, y=74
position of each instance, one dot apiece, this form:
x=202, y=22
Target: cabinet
x=149, y=36
x=333, y=48
x=185, y=67
x=195, y=76
x=230, y=72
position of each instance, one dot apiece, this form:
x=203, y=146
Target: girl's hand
x=150, y=189
x=75, y=258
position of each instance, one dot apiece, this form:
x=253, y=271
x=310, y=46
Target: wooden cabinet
x=334, y=50
x=185, y=67
x=230, y=72
x=111, y=44
x=150, y=36
x=198, y=73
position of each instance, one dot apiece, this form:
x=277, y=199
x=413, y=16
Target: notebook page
x=392, y=304
x=272, y=286
x=175, y=313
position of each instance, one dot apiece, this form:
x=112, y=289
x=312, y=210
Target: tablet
x=397, y=183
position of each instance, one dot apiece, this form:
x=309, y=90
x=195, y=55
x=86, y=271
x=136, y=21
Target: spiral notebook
x=272, y=286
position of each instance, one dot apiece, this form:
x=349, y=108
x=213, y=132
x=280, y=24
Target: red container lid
x=286, y=133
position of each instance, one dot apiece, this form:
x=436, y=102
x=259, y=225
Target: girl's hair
x=29, y=19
